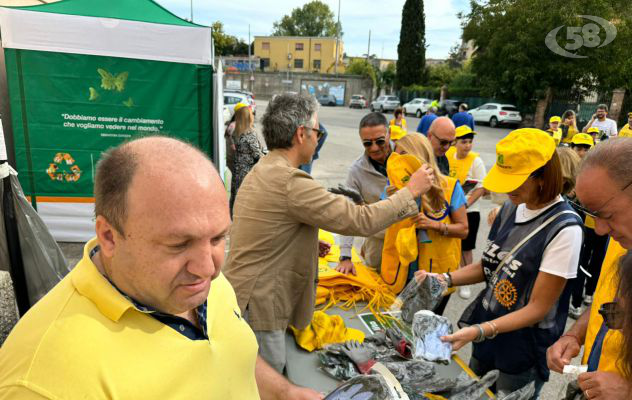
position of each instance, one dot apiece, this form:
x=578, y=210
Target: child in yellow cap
x=581, y=143
x=468, y=167
x=594, y=134
x=554, y=129
x=532, y=251
x=626, y=131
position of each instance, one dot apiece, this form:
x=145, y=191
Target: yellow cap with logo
x=593, y=130
x=397, y=132
x=583, y=138
x=400, y=167
x=239, y=106
x=555, y=118
x=518, y=155
x=464, y=130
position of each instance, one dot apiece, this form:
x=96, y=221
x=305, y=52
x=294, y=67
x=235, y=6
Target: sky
x=382, y=17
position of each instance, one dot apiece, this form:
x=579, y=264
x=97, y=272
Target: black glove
x=353, y=194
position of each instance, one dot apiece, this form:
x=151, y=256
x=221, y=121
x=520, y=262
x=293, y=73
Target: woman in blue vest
x=532, y=250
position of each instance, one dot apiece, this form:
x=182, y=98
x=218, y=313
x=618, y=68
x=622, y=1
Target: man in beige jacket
x=273, y=258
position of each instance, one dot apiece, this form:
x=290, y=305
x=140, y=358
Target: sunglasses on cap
x=379, y=141
x=612, y=314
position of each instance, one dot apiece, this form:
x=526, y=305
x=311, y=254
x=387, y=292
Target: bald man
x=442, y=135
x=146, y=313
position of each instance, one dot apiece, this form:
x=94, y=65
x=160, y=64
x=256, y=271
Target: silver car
x=385, y=103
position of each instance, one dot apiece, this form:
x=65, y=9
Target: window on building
x=317, y=64
x=265, y=45
x=317, y=47
x=298, y=63
x=298, y=47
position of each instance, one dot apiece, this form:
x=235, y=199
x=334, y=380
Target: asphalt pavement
x=342, y=147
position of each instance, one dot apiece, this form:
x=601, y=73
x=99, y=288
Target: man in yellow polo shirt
x=146, y=313
x=604, y=186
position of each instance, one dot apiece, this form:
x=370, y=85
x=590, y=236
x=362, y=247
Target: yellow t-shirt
x=569, y=135
x=606, y=291
x=557, y=135
x=84, y=340
x=403, y=123
x=626, y=131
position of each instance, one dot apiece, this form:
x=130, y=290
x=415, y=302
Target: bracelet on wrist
x=574, y=337
x=481, y=334
x=494, y=330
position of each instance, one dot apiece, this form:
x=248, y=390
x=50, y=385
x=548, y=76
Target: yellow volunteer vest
x=606, y=291
x=557, y=135
x=589, y=222
x=442, y=255
x=460, y=168
x=626, y=131
x=569, y=136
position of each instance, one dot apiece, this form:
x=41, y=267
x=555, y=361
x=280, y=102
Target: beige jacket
x=273, y=258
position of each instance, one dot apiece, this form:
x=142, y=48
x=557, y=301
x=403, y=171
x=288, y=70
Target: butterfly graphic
x=94, y=95
x=111, y=82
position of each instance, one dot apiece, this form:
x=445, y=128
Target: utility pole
x=368, y=52
x=337, y=39
x=249, y=55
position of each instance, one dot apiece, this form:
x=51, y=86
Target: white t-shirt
x=607, y=126
x=477, y=172
x=561, y=255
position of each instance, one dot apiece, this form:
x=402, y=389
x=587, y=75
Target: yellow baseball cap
x=583, y=138
x=239, y=106
x=464, y=130
x=593, y=130
x=400, y=167
x=397, y=132
x=630, y=115
x=555, y=118
x=518, y=155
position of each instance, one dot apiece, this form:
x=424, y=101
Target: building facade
x=298, y=54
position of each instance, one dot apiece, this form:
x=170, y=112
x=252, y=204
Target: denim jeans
x=508, y=383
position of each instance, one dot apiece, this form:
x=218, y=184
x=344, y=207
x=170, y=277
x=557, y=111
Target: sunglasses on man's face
x=612, y=314
x=446, y=143
x=378, y=141
x=319, y=132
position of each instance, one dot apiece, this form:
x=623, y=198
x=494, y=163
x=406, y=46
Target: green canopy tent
x=85, y=75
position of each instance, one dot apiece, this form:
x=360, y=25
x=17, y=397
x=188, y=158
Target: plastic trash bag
x=525, y=393
x=415, y=297
x=363, y=387
x=427, y=331
x=44, y=262
x=8, y=306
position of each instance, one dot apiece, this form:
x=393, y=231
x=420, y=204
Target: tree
x=362, y=68
x=313, y=19
x=226, y=45
x=439, y=75
x=512, y=60
x=411, y=50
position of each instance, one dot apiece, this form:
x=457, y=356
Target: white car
x=232, y=98
x=385, y=103
x=497, y=114
x=417, y=106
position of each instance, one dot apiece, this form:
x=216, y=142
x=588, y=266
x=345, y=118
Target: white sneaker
x=465, y=292
x=588, y=300
x=574, y=312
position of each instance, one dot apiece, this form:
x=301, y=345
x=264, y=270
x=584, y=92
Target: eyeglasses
x=379, y=141
x=445, y=143
x=319, y=132
x=595, y=214
x=612, y=314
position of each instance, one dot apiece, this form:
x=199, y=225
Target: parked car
x=358, y=101
x=231, y=98
x=417, y=106
x=497, y=114
x=449, y=107
x=327, y=99
x=385, y=103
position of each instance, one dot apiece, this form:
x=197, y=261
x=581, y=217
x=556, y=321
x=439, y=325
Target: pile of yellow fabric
x=325, y=329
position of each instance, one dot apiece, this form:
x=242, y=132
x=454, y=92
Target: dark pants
x=591, y=258
x=508, y=383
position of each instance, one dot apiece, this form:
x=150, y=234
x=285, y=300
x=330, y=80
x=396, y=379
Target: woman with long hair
x=247, y=150
x=443, y=215
x=532, y=250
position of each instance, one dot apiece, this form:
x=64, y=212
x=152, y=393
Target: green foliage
x=439, y=75
x=227, y=45
x=411, y=50
x=362, y=68
x=388, y=75
x=512, y=60
x=313, y=19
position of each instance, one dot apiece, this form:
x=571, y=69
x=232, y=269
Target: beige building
x=298, y=54
x=379, y=63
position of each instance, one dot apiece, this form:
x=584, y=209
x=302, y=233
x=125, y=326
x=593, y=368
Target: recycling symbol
x=63, y=168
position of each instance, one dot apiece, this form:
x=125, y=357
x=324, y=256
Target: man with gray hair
x=604, y=187
x=367, y=175
x=273, y=259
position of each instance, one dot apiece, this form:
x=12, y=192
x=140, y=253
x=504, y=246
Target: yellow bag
x=325, y=329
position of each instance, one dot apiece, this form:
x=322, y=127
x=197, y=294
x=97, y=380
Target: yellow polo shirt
x=84, y=340
x=605, y=292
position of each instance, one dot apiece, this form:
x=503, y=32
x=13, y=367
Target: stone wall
x=266, y=84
